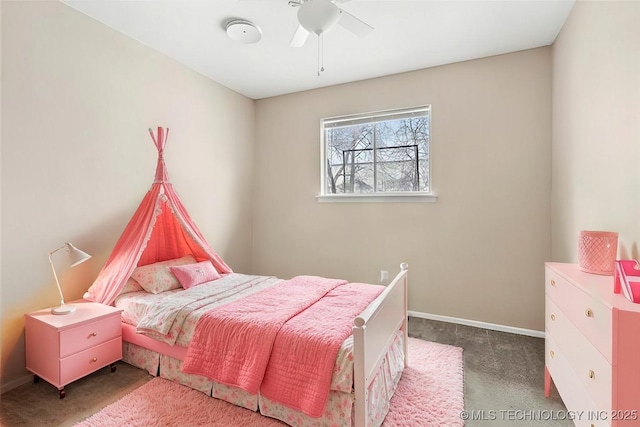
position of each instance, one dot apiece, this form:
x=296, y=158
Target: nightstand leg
x=61, y=393
x=36, y=379
x=113, y=367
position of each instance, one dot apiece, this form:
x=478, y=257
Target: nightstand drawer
x=89, y=335
x=592, y=318
x=78, y=365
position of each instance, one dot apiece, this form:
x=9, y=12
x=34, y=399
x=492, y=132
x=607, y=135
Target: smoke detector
x=243, y=31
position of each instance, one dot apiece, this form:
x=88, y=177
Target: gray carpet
x=504, y=383
x=503, y=375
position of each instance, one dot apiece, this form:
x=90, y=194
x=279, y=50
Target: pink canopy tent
x=161, y=229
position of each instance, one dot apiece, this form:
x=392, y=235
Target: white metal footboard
x=373, y=333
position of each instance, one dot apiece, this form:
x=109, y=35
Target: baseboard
x=478, y=324
x=15, y=383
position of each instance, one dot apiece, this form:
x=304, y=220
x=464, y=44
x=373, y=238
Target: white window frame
x=377, y=116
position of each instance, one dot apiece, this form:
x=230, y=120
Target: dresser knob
x=592, y=374
x=553, y=282
x=553, y=317
x=95, y=359
x=551, y=353
x=95, y=334
x=588, y=312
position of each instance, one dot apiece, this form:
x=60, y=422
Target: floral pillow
x=195, y=274
x=156, y=278
x=131, y=286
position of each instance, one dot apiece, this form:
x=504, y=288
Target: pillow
x=131, y=286
x=195, y=274
x=157, y=277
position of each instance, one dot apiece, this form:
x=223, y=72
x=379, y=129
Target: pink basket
x=597, y=252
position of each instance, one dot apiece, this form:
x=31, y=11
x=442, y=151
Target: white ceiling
x=408, y=35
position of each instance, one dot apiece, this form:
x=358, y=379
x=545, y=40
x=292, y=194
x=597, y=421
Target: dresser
x=63, y=348
x=592, y=347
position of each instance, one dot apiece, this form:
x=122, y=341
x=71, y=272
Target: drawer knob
x=553, y=282
x=95, y=359
x=95, y=334
x=588, y=312
x=592, y=374
x=551, y=353
x=553, y=317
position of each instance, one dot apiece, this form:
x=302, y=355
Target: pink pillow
x=157, y=277
x=195, y=274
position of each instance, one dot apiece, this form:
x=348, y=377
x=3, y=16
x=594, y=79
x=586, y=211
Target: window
x=377, y=154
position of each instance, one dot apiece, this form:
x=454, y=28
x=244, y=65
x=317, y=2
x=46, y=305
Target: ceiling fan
x=320, y=16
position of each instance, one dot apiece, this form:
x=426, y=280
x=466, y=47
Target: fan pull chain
x=320, y=54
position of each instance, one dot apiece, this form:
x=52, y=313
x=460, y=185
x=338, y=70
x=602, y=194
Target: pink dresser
x=592, y=347
x=63, y=348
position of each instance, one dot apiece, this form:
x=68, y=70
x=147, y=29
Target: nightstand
x=63, y=348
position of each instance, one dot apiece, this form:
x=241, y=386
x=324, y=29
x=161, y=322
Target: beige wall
x=1, y=358
x=77, y=158
x=596, y=127
x=478, y=252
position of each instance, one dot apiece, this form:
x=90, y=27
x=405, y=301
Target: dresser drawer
x=78, y=365
x=592, y=318
x=589, y=365
x=569, y=386
x=89, y=335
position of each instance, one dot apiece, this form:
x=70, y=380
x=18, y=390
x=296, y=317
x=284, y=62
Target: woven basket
x=597, y=252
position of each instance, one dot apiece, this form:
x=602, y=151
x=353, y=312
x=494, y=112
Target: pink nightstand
x=63, y=348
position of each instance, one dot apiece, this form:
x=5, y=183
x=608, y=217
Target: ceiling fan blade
x=353, y=24
x=300, y=37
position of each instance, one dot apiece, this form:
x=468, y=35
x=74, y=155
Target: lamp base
x=63, y=309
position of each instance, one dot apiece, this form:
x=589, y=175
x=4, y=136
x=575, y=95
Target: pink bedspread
x=216, y=350
x=305, y=349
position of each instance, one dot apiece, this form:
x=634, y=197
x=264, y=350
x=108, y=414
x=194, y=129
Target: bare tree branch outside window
x=383, y=153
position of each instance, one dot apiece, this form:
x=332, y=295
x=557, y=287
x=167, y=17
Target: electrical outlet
x=384, y=276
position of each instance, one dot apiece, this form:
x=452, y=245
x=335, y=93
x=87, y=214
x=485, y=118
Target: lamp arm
x=56, y=250
x=54, y=271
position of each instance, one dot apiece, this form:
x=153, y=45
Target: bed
x=366, y=370
x=141, y=273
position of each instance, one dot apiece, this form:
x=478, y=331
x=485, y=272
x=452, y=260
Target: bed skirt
x=338, y=411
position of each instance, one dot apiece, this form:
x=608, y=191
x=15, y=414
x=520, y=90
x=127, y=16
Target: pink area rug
x=430, y=394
